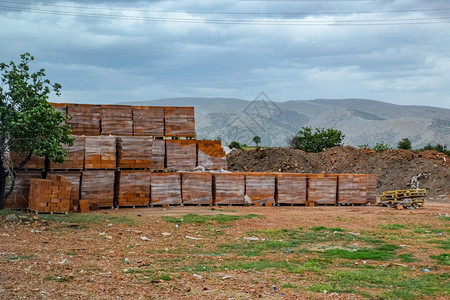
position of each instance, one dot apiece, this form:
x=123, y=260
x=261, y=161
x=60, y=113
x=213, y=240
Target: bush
x=318, y=141
x=404, y=144
x=235, y=145
x=380, y=147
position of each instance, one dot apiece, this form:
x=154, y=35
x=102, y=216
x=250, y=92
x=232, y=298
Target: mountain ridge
x=362, y=121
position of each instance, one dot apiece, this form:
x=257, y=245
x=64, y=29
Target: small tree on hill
x=404, y=144
x=317, y=141
x=235, y=145
x=257, y=140
x=29, y=125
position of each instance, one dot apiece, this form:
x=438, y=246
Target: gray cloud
x=113, y=51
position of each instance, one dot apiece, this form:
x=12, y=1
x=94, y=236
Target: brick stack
x=134, y=152
x=148, y=120
x=197, y=188
x=179, y=121
x=85, y=119
x=229, y=188
x=260, y=188
x=61, y=107
x=352, y=189
x=75, y=179
x=322, y=189
x=98, y=187
x=100, y=152
x=133, y=188
x=21, y=191
x=372, y=188
x=158, y=155
x=291, y=188
x=165, y=189
x=181, y=155
x=35, y=163
x=210, y=155
x=75, y=156
x=49, y=195
x=117, y=120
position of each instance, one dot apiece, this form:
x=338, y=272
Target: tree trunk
x=2, y=185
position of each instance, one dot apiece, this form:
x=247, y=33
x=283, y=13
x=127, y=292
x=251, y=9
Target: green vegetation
x=29, y=125
x=380, y=147
x=257, y=140
x=404, y=144
x=438, y=148
x=88, y=219
x=318, y=228
x=443, y=259
x=406, y=257
x=19, y=257
x=235, y=145
x=201, y=219
x=392, y=226
x=317, y=141
x=380, y=253
x=55, y=278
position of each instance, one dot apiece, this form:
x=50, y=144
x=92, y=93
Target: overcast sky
x=396, y=51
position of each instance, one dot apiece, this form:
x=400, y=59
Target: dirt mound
x=394, y=168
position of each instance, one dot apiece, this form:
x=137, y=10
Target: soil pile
x=394, y=168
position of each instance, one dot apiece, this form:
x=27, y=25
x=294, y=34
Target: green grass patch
x=444, y=218
x=71, y=253
x=312, y=265
x=394, y=226
x=19, y=257
x=288, y=286
x=406, y=257
x=319, y=228
x=443, y=259
x=381, y=253
x=88, y=219
x=165, y=277
x=443, y=244
x=201, y=219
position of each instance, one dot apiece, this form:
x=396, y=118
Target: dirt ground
x=270, y=253
x=394, y=168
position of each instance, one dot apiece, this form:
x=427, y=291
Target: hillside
x=362, y=121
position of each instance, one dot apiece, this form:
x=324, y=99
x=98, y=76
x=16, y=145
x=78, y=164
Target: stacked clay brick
x=75, y=156
x=211, y=155
x=291, y=188
x=19, y=196
x=85, y=119
x=260, y=188
x=49, y=195
x=179, y=121
x=181, y=154
x=117, y=120
x=74, y=177
x=134, y=152
x=98, y=188
x=197, y=188
x=100, y=152
x=165, y=189
x=148, y=121
x=133, y=188
x=322, y=188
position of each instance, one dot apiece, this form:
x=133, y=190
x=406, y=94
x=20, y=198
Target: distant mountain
x=362, y=121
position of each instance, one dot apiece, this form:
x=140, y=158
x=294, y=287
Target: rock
x=11, y=218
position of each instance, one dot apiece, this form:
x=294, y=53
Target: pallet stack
x=165, y=189
x=181, y=155
x=133, y=188
x=148, y=121
x=35, y=163
x=322, y=189
x=210, y=155
x=291, y=188
x=85, y=119
x=158, y=155
x=117, y=120
x=260, y=188
x=372, y=180
x=229, y=188
x=352, y=189
x=97, y=186
x=74, y=158
x=19, y=196
x=49, y=195
x=179, y=121
x=134, y=152
x=197, y=188
x=100, y=152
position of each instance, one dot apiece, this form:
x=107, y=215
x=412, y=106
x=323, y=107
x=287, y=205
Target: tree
x=235, y=145
x=256, y=140
x=29, y=125
x=317, y=141
x=380, y=147
x=404, y=144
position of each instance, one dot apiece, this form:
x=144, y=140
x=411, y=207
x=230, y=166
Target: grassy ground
x=241, y=253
